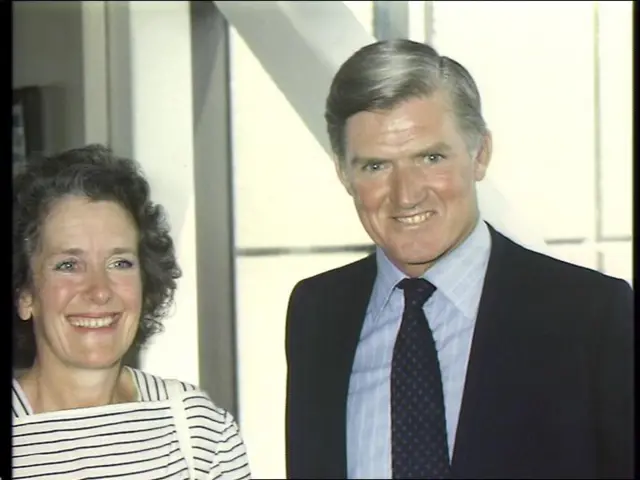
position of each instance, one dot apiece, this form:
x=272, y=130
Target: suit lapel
x=496, y=312
x=345, y=319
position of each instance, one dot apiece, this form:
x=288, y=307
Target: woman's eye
x=122, y=264
x=66, y=265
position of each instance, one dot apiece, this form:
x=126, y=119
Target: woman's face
x=86, y=296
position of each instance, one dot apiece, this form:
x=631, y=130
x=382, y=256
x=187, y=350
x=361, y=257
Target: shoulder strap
x=174, y=389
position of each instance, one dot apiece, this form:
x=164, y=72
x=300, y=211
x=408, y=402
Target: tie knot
x=416, y=291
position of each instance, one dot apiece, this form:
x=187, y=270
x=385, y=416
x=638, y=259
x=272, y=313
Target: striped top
x=136, y=440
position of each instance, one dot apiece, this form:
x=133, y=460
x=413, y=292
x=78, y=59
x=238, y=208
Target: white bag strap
x=175, y=391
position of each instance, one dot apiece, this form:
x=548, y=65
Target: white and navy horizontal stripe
x=135, y=440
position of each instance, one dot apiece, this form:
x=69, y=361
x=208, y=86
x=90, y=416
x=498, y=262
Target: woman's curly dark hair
x=95, y=172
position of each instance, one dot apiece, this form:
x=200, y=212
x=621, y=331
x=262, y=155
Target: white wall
x=149, y=51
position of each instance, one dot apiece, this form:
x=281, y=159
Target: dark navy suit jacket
x=549, y=385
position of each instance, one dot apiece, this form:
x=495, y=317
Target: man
x=452, y=352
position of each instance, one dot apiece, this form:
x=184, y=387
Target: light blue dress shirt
x=451, y=312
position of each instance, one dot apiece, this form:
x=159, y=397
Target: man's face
x=412, y=179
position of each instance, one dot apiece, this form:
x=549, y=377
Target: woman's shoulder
x=155, y=388
x=214, y=431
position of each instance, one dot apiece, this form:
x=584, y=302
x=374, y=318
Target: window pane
x=417, y=21
x=263, y=288
x=363, y=11
x=534, y=65
x=286, y=191
x=618, y=260
x=616, y=104
x=582, y=255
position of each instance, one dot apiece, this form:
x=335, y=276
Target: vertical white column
x=150, y=118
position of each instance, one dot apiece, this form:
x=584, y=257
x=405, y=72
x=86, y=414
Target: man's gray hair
x=382, y=75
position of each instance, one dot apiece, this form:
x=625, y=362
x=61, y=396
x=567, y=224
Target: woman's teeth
x=92, y=322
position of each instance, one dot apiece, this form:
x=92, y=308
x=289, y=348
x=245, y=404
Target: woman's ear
x=25, y=305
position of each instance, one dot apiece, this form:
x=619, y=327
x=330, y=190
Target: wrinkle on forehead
x=78, y=222
x=398, y=131
x=398, y=123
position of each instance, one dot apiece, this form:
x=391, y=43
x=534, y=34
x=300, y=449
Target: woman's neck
x=53, y=389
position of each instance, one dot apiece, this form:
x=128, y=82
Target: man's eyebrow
x=356, y=160
x=438, y=147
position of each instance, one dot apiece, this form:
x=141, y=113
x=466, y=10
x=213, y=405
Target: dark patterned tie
x=419, y=446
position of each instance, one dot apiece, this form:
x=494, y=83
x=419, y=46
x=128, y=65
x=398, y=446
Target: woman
x=94, y=271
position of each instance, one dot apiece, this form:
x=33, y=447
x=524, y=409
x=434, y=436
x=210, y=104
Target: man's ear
x=342, y=174
x=483, y=157
x=25, y=305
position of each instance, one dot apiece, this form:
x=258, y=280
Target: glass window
x=286, y=192
x=363, y=11
x=618, y=260
x=263, y=287
x=538, y=98
x=615, y=56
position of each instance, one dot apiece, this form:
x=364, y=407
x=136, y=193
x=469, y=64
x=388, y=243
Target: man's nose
x=408, y=189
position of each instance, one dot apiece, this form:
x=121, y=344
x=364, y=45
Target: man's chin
x=418, y=256
x=413, y=265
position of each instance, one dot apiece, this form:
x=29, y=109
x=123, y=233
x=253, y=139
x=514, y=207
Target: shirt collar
x=448, y=274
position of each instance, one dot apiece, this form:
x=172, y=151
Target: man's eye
x=372, y=166
x=433, y=158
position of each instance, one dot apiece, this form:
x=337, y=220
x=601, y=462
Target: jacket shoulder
x=342, y=277
x=554, y=270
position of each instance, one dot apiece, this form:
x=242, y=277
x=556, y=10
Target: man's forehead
x=400, y=125
x=433, y=108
